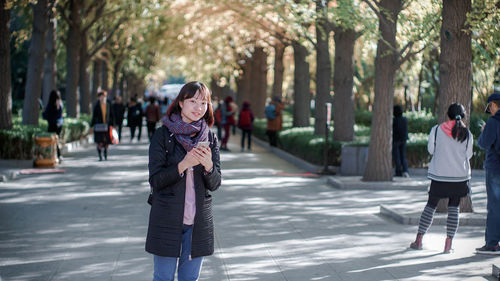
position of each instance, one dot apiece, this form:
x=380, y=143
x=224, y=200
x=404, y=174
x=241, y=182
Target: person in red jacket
x=245, y=123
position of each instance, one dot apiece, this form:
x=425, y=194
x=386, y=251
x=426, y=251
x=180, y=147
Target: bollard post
x=327, y=171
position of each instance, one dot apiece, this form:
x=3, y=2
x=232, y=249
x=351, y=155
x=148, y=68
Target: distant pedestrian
x=219, y=116
x=53, y=113
x=490, y=141
x=245, y=123
x=399, y=138
x=274, y=118
x=119, y=112
x=134, y=118
x=102, y=119
x=450, y=144
x=152, y=116
x=228, y=120
x=184, y=169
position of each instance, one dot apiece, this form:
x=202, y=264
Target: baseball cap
x=494, y=96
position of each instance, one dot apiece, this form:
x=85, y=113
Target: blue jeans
x=492, y=233
x=188, y=269
x=399, y=155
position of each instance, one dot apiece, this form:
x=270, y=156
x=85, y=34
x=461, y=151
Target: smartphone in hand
x=203, y=144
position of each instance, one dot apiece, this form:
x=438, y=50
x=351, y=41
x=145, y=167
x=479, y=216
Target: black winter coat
x=169, y=189
x=102, y=137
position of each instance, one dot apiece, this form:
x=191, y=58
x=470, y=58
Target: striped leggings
x=428, y=214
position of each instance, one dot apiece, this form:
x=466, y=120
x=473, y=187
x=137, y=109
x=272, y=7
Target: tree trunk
x=259, y=84
x=105, y=76
x=122, y=86
x=84, y=79
x=455, y=61
x=279, y=68
x=31, y=106
x=73, y=60
x=343, y=99
x=419, y=90
x=50, y=67
x=455, y=68
x=379, y=166
x=5, y=87
x=116, y=75
x=244, y=82
x=96, y=79
x=323, y=67
x=301, y=86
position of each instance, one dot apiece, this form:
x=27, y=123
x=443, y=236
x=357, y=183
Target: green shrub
x=19, y=142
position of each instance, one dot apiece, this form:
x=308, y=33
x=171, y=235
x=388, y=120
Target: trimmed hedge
x=19, y=142
x=302, y=142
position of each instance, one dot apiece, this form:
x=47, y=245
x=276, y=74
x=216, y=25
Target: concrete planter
x=354, y=160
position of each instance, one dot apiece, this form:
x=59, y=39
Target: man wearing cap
x=490, y=141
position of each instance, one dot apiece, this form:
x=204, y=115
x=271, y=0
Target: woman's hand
x=204, y=157
x=190, y=160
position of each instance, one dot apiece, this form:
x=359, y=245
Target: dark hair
x=188, y=91
x=100, y=93
x=456, y=112
x=54, y=96
x=398, y=111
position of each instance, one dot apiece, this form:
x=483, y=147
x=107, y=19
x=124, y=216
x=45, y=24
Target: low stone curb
x=356, y=184
x=291, y=158
x=469, y=219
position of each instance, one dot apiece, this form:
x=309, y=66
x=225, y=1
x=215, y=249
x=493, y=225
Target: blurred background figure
x=245, y=123
x=134, y=118
x=153, y=115
x=53, y=113
x=119, y=113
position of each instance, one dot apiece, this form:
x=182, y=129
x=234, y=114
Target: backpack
x=245, y=119
x=270, y=112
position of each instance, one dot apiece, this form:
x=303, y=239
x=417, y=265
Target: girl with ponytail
x=450, y=145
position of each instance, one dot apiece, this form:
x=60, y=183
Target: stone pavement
x=273, y=222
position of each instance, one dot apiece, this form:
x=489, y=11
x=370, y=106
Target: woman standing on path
x=184, y=168
x=451, y=147
x=53, y=113
x=102, y=120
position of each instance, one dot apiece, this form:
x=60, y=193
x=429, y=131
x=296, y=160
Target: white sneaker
x=406, y=175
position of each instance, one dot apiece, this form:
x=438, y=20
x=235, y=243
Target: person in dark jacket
x=182, y=176
x=152, y=116
x=102, y=120
x=245, y=123
x=399, y=138
x=489, y=140
x=134, y=118
x=119, y=112
x=53, y=113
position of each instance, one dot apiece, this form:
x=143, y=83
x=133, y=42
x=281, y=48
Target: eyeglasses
x=487, y=109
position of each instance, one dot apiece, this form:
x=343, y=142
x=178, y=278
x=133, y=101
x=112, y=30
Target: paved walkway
x=273, y=222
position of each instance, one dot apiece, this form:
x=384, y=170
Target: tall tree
x=323, y=66
x=279, y=68
x=50, y=68
x=5, y=87
x=455, y=68
x=343, y=98
x=36, y=60
x=301, y=86
x=455, y=60
x=72, y=42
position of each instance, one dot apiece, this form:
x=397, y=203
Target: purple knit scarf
x=183, y=130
